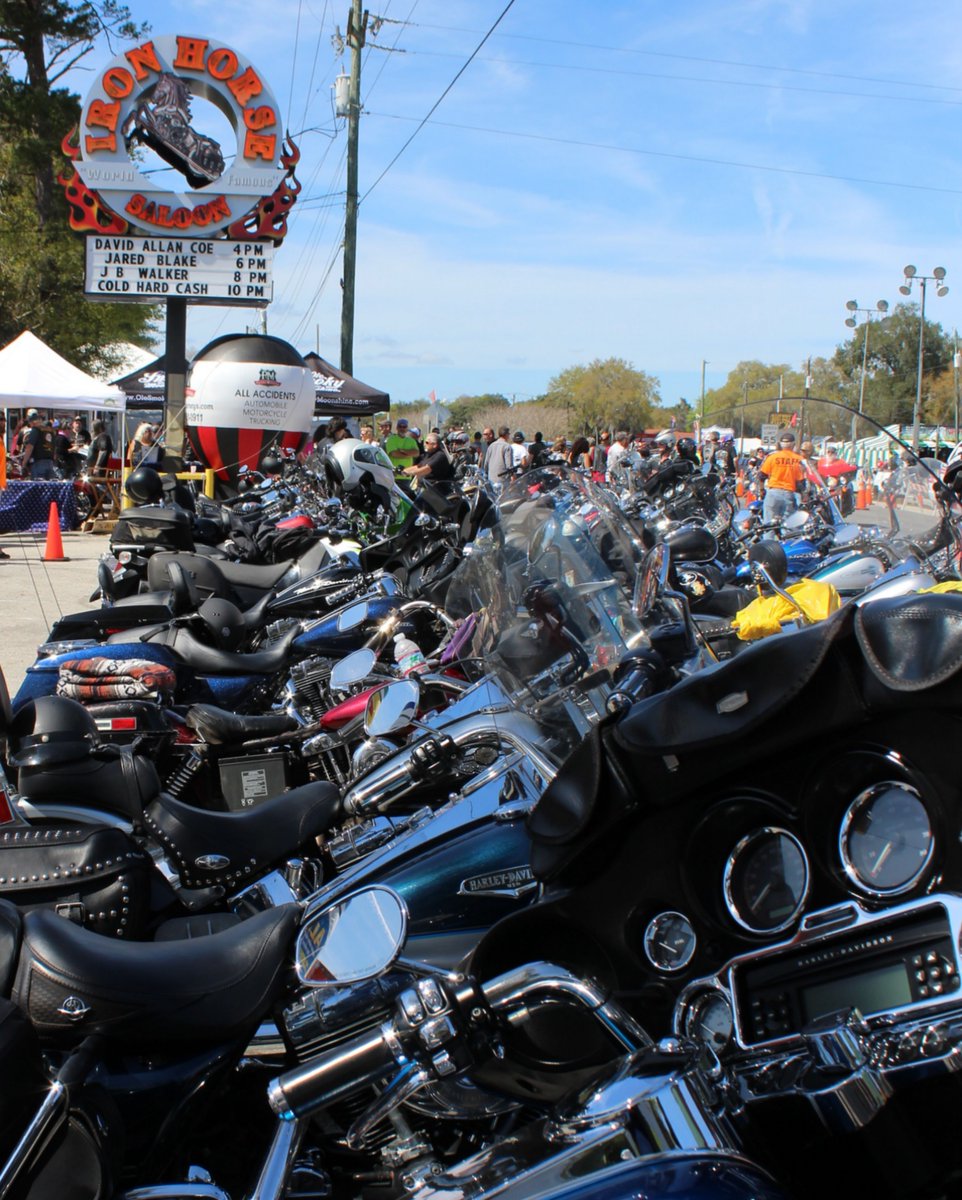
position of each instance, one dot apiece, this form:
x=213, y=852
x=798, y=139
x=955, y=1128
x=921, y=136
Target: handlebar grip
x=331, y=1076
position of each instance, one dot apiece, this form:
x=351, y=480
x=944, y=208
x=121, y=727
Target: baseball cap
x=518, y=436
x=401, y=423
x=788, y=438
x=415, y=430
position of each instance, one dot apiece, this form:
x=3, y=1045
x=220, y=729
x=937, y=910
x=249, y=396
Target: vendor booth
x=34, y=376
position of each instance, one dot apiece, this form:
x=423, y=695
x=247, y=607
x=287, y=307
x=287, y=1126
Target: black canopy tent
x=336, y=393
x=144, y=388
x=339, y=394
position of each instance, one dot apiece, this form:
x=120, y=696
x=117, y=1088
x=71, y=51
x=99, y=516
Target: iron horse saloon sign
x=211, y=236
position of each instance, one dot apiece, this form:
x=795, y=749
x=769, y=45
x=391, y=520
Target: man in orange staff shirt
x=784, y=472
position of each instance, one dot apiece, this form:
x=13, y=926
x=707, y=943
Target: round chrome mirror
x=795, y=522
x=352, y=670
x=391, y=708
x=351, y=617
x=357, y=938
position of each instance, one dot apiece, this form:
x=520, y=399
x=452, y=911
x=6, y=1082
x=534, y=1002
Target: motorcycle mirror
x=391, y=708
x=351, y=617
x=357, y=938
x=353, y=669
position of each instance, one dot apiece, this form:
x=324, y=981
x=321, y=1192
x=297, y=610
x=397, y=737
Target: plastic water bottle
x=408, y=656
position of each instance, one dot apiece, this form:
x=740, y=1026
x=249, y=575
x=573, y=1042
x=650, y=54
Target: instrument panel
x=731, y=875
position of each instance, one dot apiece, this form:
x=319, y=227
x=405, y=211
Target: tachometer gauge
x=670, y=941
x=886, y=839
x=766, y=880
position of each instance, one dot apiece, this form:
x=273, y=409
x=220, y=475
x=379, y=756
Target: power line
x=731, y=83
x=693, y=158
x=718, y=62
x=437, y=102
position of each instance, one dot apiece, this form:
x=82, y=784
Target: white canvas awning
x=33, y=374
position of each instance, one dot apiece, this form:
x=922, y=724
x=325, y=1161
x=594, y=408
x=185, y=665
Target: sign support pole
x=175, y=361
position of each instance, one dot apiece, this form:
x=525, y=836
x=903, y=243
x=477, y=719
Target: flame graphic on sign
x=268, y=218
x=88, y=213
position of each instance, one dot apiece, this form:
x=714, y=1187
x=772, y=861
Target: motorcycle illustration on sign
x=163, y=124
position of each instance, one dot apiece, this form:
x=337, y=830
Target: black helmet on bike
x=224, y=620
x=51, y=730
x=686, y=449
x=144, y=485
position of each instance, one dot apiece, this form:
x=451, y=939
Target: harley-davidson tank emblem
x=512, y=882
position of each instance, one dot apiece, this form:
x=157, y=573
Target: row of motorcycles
x=457, y=845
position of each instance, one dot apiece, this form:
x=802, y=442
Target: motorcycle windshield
x=552, y=585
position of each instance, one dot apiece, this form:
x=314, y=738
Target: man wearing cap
x=617, y=452
x=784, y=473
x=37, y=459
x=401, y=448
x=718, y=454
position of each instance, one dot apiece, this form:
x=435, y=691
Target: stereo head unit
x=891, y=962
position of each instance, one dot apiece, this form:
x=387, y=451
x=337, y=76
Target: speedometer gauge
x=766, y=880
x=886, y=839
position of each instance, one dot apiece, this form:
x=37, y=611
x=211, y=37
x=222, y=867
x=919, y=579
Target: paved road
x=34, y=593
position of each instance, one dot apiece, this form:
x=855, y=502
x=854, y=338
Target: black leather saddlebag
x=94, y=875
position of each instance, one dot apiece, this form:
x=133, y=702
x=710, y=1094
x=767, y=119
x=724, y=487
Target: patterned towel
x=90, y=680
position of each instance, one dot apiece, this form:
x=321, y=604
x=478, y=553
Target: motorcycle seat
x=72, y=981
x=219, y=726
x=210, y=660
x=233, y=848
x=253, y=575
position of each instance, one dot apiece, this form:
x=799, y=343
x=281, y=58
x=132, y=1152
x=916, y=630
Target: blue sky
x=663, y=183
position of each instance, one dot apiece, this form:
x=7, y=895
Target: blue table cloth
x=25, y=505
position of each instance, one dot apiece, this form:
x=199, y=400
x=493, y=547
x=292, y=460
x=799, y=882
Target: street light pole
x=852, y=305
x=910, y=276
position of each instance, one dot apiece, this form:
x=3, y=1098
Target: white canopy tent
x=31, y=374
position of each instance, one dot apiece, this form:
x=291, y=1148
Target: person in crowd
x=61, y=448
x=784, y=473
x=367, y=434
x=479, y=447
x=144, y=450
x=499, y=459
x=100, y=450
x=579, y=454
x=37, y=461
x=415, y=432
x=434, y=465
x=519, y=450
x=401, y=448
x=3, y=465
x=617, y=452
x=719, y=455
x=338, y=429
x=383, y=430
x=599, y=457
x=538, y=451
x=559, y=450
x=20, y=431
x=77, y=450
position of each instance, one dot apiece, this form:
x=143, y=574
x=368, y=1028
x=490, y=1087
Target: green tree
x=606, y=394
x=42, y=260
x=891, y=371
x=749, y=395
x=465, y=409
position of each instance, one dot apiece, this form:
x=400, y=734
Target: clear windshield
x=553, y=581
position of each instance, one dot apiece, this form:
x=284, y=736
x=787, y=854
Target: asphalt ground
x=34, y=593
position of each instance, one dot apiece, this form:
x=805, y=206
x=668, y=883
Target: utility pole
x=356, y=30
x=704, y=364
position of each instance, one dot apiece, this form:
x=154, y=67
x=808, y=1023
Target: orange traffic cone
x=53, y=552
x=740, y=484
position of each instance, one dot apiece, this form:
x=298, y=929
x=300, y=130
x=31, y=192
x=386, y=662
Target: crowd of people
x=42, y=448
